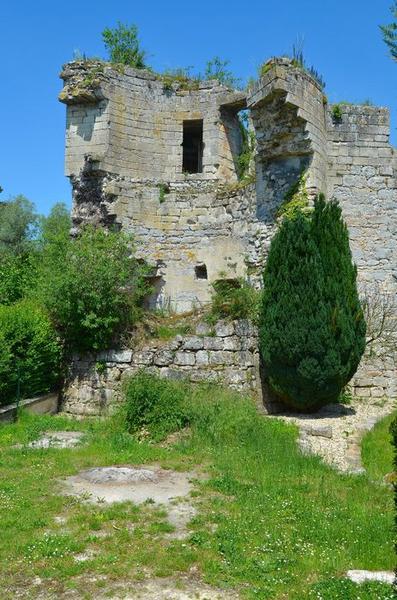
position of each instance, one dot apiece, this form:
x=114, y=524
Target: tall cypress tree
x=312, y=333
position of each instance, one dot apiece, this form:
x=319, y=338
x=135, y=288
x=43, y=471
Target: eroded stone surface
x=58, y=439
x=118, y=475
x=137, y=484
x=361, y=576
x=172, y=589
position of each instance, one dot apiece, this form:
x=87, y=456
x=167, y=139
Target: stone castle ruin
x=161, y=159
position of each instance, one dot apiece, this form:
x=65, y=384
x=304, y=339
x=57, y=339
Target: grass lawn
x=377, y=451
x=271, y=523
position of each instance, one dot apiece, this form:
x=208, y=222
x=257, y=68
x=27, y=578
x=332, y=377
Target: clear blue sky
x=341, y=39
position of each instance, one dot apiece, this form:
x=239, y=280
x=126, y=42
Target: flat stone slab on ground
x=57, y=439
x=358, y=576
x=136, y=484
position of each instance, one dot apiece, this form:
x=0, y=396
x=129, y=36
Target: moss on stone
x=295, y=200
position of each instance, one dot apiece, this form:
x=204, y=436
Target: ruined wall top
x=138, y=124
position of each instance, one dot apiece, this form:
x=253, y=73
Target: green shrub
x=29, y=351
x=92, y=286
x=123, y=46
x=337, y=113
x=234, y=299
x=155, y=405
x=312, y=333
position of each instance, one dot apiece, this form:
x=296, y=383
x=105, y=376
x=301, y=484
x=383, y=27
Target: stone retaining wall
x=227, y=353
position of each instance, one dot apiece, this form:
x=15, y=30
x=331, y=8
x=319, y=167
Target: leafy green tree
x=217, y=68
x=389, y=33
x=18, y=227
x=123, y=45
x=57, y=225
x=91, y=286
x=18, y=224
x=312, y=333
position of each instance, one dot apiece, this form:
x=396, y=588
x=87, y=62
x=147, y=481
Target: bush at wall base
x=154, y=405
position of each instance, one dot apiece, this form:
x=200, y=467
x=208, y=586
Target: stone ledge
x=41, y=405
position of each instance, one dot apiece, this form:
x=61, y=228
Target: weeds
x=233, y=299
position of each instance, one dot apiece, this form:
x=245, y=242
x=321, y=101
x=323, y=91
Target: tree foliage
x=30, y=352
x=91, y=285
x=389, y=33
x=18, y=224
x=312, y=333
x=123, y=45
x=18, y=227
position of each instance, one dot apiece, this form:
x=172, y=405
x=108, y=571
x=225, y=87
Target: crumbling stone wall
x=362, y=176
x=124, y=158
x=227, y=354
x=131, y=122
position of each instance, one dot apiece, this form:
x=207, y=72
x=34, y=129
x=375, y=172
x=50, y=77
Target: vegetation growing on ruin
x=313, y=329
x=163, y=191
x=269, y=520
x=218, y=69
x=298, y=61
x=92, y=286
x=187, y=79
x=123, y=46
x=296, y=200
x=233, y=299
x=245, y=158
x=337, y=113
x=182, y=76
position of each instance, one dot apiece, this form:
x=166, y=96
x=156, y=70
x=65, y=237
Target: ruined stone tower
x=160, y=159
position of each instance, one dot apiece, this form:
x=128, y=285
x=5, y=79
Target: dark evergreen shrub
x=312, y=328
x=29, y=351
x=155, y=405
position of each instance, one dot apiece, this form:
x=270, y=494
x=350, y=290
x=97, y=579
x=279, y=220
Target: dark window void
x=192, y=147
x=201, y=271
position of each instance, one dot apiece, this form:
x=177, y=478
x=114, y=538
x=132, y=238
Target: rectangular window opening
x=201, y=271
x=192, y=146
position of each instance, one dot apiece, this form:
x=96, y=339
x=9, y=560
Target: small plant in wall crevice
x=163, y=190
x=337, y=113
